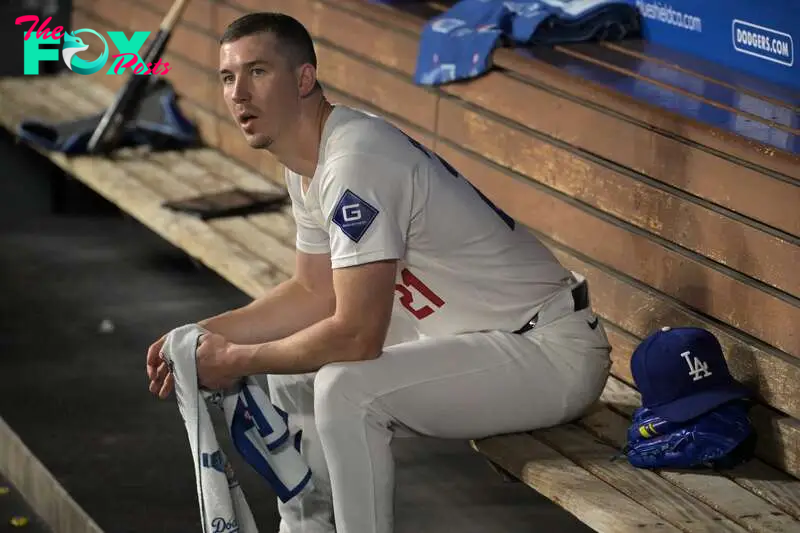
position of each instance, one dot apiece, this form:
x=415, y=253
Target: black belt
x=580, y=301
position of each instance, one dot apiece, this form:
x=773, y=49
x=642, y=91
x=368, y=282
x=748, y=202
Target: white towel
x=258, y=431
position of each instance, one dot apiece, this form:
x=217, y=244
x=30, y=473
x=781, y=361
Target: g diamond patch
x=354, y=215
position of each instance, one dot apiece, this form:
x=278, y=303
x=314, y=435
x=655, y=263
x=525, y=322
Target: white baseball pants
x=462, y=387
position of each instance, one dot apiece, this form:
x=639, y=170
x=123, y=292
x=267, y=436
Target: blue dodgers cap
x=682, y=373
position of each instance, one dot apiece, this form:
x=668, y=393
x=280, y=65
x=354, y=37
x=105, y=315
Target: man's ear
x=307, y=80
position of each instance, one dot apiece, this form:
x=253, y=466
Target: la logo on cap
x=698, y=369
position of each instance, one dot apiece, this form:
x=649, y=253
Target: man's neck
x=300, y=150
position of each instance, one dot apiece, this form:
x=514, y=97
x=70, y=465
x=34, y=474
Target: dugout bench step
x=577, y=467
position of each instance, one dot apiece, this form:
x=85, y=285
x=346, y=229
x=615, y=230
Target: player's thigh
x=295, y=392
x=465, y=386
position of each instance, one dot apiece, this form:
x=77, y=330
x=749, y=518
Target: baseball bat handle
x=173, y=15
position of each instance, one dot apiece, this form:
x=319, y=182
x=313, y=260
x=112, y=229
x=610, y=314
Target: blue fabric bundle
x=458, y=44
x=158, y=123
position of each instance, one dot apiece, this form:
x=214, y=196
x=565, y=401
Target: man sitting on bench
x=416, y=303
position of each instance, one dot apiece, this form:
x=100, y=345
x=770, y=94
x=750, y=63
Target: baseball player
x=417, y=305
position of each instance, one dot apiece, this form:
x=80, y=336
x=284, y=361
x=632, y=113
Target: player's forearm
x=284, y=310
x=308, y=350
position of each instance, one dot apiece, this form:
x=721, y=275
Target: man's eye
x=257, y=71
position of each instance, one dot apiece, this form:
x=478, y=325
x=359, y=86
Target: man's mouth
x=245, y=119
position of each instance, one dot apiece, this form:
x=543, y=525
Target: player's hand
x=215, y=364
x=161, y=380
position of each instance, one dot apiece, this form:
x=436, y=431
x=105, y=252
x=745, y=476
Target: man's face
x=259, y=86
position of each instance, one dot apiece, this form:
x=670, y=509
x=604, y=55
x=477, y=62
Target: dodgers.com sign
x=753, y=36
x=763, y=42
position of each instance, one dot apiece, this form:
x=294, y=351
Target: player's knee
x=338, y=394
x=331, y=384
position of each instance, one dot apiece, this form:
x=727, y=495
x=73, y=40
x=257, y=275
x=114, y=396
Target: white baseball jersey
x=463, y=265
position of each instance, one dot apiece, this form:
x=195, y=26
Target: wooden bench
x=671, y=220
x=253, y=252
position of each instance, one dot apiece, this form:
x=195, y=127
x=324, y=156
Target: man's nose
x=241, y=92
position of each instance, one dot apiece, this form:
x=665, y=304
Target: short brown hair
x=290, y=32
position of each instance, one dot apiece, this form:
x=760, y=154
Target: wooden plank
x=244, y=270
x=199, y=13
x=166, y=178
x=671, y=496
x=641, y=310
x=594, y=502
x=699, y=285
x=389, y=45
x=739, y=147
x=191, y=44
x=651, y=75
x=188, y=168
x=666, y=158
x=275, y=227
x=407, y=18
x=190, y=83
x=645, y=487
x=385, y=90
x=715, y=490
x=174, y=176
x=719, y=75
x=779, y=118
x=670, y=214
x=280, y=226
x=192, y=80
x=770, y=484
x=774, y=486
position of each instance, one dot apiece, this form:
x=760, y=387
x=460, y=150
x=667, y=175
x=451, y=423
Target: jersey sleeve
x=311, y=238
x=367, y=203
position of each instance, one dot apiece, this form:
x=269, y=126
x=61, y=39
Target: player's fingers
x=153, y=369
x=155, y=386
x=166, y=388
x=162, y=371
x=154, y=352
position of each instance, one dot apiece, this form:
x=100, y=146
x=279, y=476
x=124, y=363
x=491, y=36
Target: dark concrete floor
x=78, y=397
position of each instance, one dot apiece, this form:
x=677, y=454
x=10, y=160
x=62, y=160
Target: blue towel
x=257, y=428
x=458, y=44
